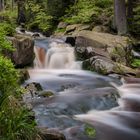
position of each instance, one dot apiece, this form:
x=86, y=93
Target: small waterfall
x=57, y=55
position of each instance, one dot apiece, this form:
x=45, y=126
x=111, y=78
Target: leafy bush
x=37, y=17
x=85, y=11
x=9, y=16
x=15, y=122
x=136, y=21
x=7, y=28
x=8, y=76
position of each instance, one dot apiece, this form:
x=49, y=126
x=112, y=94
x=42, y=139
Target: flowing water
x=82, y=97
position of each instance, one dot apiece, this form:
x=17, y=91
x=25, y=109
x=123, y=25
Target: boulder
x=34, y=88
x=118, y=47
x=70, y=29
x=62, y=25
x=101, y=28
x=99, y=40
x=24, y=51
x=87, y=52
x=104, y=65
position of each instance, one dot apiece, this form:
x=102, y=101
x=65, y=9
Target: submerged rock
x=45, y=94
x=48, y=134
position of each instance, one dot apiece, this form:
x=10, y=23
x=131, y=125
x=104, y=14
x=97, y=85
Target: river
x=82, y=98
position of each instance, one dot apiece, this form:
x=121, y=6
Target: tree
x=21, y=11
x=120, y=16
x=2, y=5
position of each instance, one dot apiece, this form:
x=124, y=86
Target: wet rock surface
x=103, y=52
x=24, y=51
x=50, y=134
x=69, y=94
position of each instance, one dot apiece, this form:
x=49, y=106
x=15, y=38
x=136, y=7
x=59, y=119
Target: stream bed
x=82, y=99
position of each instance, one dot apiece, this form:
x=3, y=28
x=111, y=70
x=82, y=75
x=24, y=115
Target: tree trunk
x=120, y=16
x=12, y=5
x=130, y=12
x=2, y=5
x=21, y=12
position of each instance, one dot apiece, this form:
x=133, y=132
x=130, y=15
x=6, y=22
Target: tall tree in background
x=130, y=11
x=120, y=16
x=12, y=4
x=2, y=7
x=21, y=11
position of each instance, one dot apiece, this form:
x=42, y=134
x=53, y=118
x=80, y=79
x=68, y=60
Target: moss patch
x=90, y=131
x=135, y=63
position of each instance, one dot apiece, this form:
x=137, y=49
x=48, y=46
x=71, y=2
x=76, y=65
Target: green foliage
x=38, y=17
x=7, y=28
x=135, y=63
x=9, y=16
x=85, y=11
x=135, y=27
x=4, y=43
x=15, y=123
x=90, y=131
x=8, y=76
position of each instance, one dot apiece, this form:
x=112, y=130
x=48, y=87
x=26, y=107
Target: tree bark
x=21, y=12
x=12, y=5
x=130, y=12
x=2, y=5
x=120, y=16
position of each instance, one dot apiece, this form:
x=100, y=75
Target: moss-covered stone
x=46, y=94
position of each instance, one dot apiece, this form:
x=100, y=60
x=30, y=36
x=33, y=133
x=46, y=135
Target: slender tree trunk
x=2, y=6
x=120, y=16
x=12, y=5
x=130, y=11
x=21, y=12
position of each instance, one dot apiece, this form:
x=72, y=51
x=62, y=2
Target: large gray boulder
x=24, y=50
x=104, y=65
x=118, y=47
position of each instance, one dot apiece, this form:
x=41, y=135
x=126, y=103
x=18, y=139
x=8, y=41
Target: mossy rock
x=46, y=94
x=34, y=87
x=23, y=75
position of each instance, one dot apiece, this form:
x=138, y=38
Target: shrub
x=8, y=76
x=85, y=11
x=9, y=17
x=38, y=18
x=7, y=28
x=15, y=122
